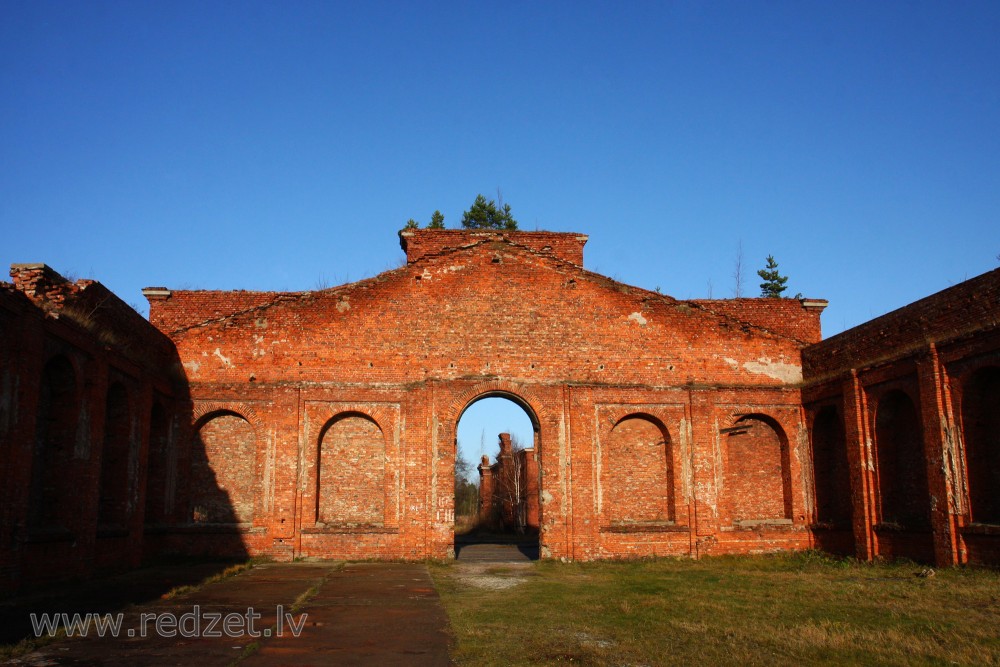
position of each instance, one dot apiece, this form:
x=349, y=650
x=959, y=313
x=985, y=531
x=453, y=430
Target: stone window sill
x=981, y=529
x=217, y=528
x=645, y=527
x=760, y=524
x=353, y=530
x=111, y=530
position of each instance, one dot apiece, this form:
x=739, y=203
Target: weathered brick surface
x=80, y=373
x=756, y=478
x=420, y=244
x=223, y=470
x=513, y=314
x=913, y=393
x=636, y=463
x=353, y=487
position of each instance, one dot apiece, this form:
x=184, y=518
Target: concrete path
x=495, y=551
x=330, y=614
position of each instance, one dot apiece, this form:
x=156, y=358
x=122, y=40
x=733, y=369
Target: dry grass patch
x=784, y=609
x=230, y=571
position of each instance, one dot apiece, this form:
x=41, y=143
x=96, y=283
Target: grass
x=28, y=644
x=783, y=609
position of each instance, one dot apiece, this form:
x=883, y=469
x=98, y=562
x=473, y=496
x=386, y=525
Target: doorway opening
x=496, y=481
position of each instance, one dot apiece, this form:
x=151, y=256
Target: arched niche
x=223, y=469
x=757, y=484
x=904, y=498
x=351, y=476
x=637, y=476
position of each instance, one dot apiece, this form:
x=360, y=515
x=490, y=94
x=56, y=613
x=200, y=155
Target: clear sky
x=483, y=421
x=280, y=146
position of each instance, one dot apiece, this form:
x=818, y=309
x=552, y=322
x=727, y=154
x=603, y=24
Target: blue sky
x=279, y=146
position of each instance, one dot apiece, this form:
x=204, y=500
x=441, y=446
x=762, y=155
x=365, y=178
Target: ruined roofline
x=933, y=306
x=242, y=302
x=947, y=315
x=420, y=243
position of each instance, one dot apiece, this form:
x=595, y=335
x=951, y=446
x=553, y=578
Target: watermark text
x=194, y=623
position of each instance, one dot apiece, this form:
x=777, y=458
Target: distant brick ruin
x=323, y=423
x=508, y=489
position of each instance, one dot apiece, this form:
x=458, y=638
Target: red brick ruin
x=508, y=489
x=323, y=423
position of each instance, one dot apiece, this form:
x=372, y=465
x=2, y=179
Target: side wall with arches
x=902, y=414
x=80, y=374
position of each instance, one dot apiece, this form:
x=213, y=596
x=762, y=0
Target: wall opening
x=497, y=450
x=981, y=424
x=54, y=499
x=114, y=508
x=831, y=471
x=159, y=462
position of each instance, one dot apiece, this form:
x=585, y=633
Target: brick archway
x=516, y=393
x=522, y=469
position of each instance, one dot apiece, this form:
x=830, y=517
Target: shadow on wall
x=214, y=510
x=100, y=469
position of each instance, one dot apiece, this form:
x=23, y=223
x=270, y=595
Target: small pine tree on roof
x=437, y=221
x=774, y=282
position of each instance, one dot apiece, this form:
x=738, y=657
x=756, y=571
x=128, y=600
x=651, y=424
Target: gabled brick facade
x=615, y=378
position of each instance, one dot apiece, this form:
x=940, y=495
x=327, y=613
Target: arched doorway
x=497, y=479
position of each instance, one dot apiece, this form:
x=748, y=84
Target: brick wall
x=421, y=243
x=756, y=476
x=223, y=470
x=513, y=314
x=637, y=463
x=352, y=474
